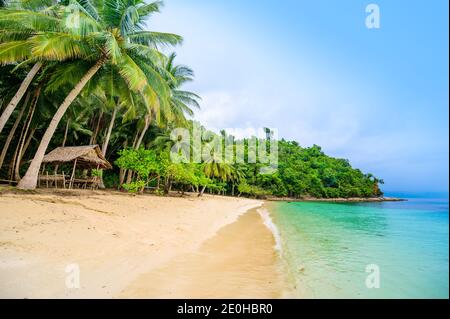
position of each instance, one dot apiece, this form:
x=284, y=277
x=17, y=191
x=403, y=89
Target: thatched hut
x=84, y=157
x=89, y=156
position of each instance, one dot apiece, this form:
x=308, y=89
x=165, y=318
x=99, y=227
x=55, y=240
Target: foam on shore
x=267, y=220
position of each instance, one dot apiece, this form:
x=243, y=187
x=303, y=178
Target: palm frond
x=14, y=51
x=151, y=38
x=151, y=54
x=88, y=7
x=111, y=13
x=129, y=20
x=37, y=21
x=112, y=47
x=147, y=9
x=81, y=20
x=132, y=73
x=67, y=74
x=187, y=98
x=7, y=35
x=60, y=47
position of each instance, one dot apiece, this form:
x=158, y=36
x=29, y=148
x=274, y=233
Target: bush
x=252, y=190
x=135, y=187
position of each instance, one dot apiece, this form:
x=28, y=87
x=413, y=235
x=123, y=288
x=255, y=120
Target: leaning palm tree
x=14, y=47
x=110, y=32
x=109, y=94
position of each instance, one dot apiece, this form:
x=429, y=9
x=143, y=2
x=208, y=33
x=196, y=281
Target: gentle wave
x=267, y=220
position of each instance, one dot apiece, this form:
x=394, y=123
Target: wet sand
x=239, y=262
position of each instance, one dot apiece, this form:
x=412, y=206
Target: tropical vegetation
x=84, y=72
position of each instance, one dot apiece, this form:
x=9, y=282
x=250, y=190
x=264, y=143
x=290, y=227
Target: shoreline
x=116, y=238
x=337, y=200
x=231, y=264
x=8, y=189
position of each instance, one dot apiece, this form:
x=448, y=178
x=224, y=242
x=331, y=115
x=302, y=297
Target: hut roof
x=86, y=156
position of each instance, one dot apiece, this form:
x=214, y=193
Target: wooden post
x=97, y=179
x=56, y=180
x=47, y=178
x=64, y=180
x=73, y=174
x=39, y=176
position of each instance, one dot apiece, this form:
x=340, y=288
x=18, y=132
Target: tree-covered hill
x=310, y=172
x=299, y=172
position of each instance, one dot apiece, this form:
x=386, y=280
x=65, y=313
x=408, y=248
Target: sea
x=364, y=250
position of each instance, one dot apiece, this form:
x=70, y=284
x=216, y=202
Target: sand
x=229, y=265
x=116, y=245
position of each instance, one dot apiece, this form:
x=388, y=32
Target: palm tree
x=36, y=32
x=215, y=168
x=180, y=101
x=111, y=35
x=10, y=136
x=238, y=175
x=14, y=48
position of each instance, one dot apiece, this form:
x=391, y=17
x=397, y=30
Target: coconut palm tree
x=13, y=48
x=110, y=34
x=181, y=102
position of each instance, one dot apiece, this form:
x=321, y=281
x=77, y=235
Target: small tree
x=143, y=163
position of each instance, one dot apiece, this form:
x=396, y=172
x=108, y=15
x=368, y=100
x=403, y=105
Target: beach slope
x=113, y=243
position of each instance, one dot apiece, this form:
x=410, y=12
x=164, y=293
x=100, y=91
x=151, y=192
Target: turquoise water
x=326, y=247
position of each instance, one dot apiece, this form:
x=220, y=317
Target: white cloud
x=248, y=84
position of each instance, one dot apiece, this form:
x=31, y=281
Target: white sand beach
x=133, y=246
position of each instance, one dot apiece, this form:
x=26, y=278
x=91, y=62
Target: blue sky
x=312, y=69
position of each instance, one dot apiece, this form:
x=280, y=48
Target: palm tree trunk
x=25, y=133
x=66, y=131
x=144, y=130
x=202, y=191
x=28, y=141
x=12, y=164
x=106, y=142
x=125, y=171
x=129, y=176
x=122, y=171
x=108, y=133
x=13, y=130
x=29, y=181
x=97, y=128
x=18, y=96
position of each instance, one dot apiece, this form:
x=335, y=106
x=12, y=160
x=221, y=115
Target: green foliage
x=252, y=190
x=110, y=179
x=309, y=172
x=139, y=88
x=301, y=172
x=143, y=162
x=181, y=173
x=97, y=172
x=135, y=187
